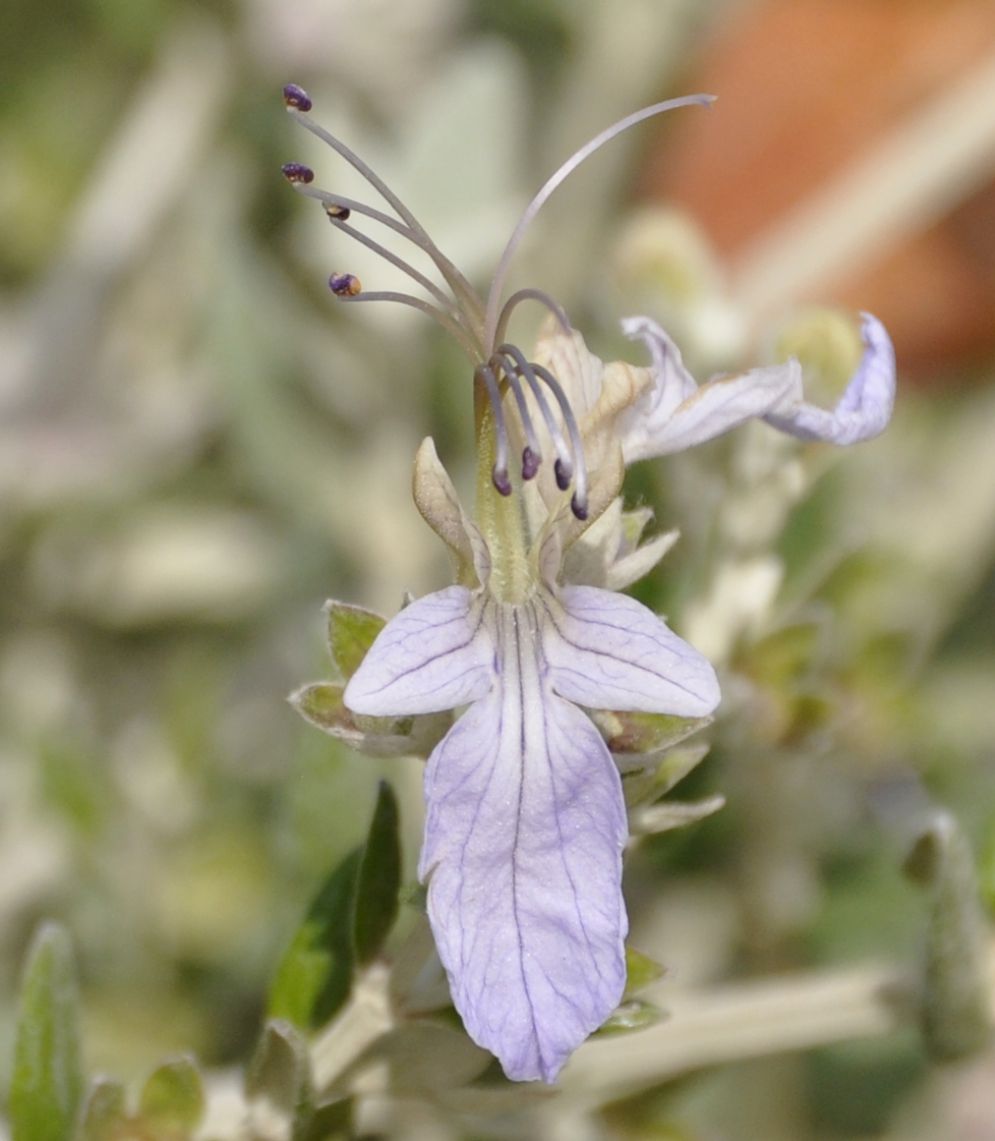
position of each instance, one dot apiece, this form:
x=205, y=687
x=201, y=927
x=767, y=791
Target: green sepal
x=104, y=1116
x=321, y=703
x=351, y=631
x=636, y=739
x=279, y=1076
x=379, y=879
x=172, y=1098
x=646, y=784
x=640, y=970
x=47, y=1081
x=633, y=1014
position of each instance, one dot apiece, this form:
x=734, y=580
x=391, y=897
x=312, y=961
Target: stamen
x=344, y=285
x=539, y=295
x=579, y=501
x=531, y=453
x=553, y=182
x=416, y=232
x=499, y=473
x=457, y=332
x=429, y=286
x=337, y=210
x=525, y=370
x=297, y=172
x=296, y=98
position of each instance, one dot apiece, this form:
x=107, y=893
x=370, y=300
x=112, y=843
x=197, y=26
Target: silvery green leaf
x=278, y=1080
x=47, y=1081
x=651, y=819
x=104, y=1112
x=634, y=1014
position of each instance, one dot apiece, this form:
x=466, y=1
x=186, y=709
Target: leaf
x=103, y=1117
x=351, y=632
x=651, y=819
x=279, y=1077
x=635, y=1014
x=332, y=1121
x=644, y=785
x=379, y=880
x=640, y=970
x=314, y=977
x=47, y=1080
x=172, y=1098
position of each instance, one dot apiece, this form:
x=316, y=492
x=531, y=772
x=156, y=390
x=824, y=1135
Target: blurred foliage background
x=197, y=448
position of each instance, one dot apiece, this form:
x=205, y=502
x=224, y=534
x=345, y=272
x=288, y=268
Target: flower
x=526, y=820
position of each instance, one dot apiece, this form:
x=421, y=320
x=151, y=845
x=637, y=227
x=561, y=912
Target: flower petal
x=607, y=651
x=523, y=841
x=677, y=414
x=434, y=655
x=866, y=405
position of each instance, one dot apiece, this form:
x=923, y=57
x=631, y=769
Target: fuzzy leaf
x=321, y=704
x=351, y=632
x=379, y=879
x=47, y=1080
x=104, y=1117
x=314, y=976
x=172, y=1098
x=635, y=1014
x=279, y=1076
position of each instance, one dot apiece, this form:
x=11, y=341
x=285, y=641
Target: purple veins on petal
x=865, y=407
x=522, y=853
x=607, y=651
x=435, y=654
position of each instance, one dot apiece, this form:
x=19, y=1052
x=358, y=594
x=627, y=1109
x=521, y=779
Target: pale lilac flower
x=526, y=820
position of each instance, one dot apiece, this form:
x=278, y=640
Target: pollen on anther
x=563, y=474
x=501, y=481
x=344, y=284
x=297, y=172
x=578, y=508
x=530, y=463
x=334, y=210
x=296, y=98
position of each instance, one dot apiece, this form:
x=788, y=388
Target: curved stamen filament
x=429, y=286
x=553, y=182
x=499, y=472
x=524, y=369
x=539, y=295
x=579, y=501
x=454, y=279
x=433, y=311
x=532, y=453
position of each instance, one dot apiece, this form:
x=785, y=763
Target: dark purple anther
x=337, y=212
x=563, y=475
x=579, y=509
x=501, y=480
x=297, y=172
x=530, y=463
x=344, y=285
x=296, y=98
